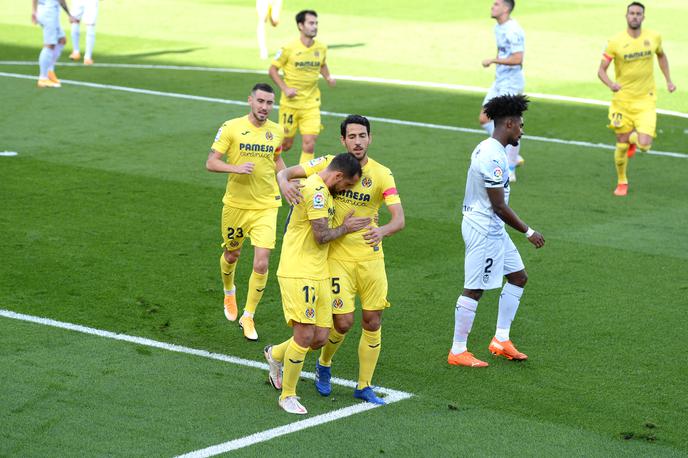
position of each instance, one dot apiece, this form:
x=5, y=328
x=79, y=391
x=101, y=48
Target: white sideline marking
x=338, y=115
x=364, y=79
x=8, y=153
x=391, y=396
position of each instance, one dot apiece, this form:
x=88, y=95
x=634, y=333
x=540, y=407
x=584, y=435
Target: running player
x=85, y=11
x=490, y=253
x=46, y=13
x=301, y=61
x=267, y=10
x=632, y=113
x=303, y=273
x=251, y=145
x=356, y=261
x=509, y=73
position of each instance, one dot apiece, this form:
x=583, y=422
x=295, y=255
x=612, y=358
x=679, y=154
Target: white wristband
x=530, y=232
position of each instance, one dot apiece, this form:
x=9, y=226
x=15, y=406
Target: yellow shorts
x=306, y=121
x=239, y=223
x=368, y=279
x=627, y=116
x=306, y=301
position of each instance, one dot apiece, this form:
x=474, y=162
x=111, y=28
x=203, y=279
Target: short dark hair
x=506, y=106
x=301, y=16
x=262, y=87
x=511, y=4
x=347, y=164
x=635, y=4
x=354, y=119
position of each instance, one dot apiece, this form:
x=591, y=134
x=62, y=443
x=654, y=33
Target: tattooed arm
x=324, y=234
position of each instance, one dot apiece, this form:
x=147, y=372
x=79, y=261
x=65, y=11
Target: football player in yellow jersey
x=248, y=149
x=301, y=61
x=356, y=261
x=303, y=273
x=632, y=113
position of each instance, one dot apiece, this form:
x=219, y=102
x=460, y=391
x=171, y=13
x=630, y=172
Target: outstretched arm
x=496, y=196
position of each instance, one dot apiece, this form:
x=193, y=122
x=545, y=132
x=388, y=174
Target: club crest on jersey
x=337, y=303
x=219, y=132
x=646, y=42
x=498, y=173
x=366, y=182
x=234, y=244
x=486, y=278
x=317, y=53
x=319, y=200
x=310, y=313
x=268, y=136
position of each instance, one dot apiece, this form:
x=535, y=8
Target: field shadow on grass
x=346, y=45
x=162, y=53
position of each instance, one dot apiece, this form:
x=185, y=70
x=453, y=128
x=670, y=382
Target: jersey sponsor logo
x=366, y=182
x=337, y=303
x=268, y=136
x=256, y=147
x=638, y=55
x=319, y=201
x=315, y=161
x=310, y=313
x=219, y=132
x=307, y=63
x=354, y=195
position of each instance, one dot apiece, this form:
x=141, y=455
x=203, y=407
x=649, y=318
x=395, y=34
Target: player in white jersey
x=509, y=72
x=267, y=10
x=46, y=13
x=490, y=253
x=85, y=11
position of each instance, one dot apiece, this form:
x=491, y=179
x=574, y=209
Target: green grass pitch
x=109, y=220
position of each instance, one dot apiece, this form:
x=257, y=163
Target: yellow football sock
x=292, y=364
x=633, y=138
x=256, y=286
x=334, y=340
x=227, y=273
x=279, y=350
x=305, y=157
x=621, y=161
x=368, y=353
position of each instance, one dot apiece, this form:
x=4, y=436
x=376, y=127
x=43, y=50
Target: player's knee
x=232, y=256
x=371, y=321
x=474, y=294
x=62, y=41
x=343, y=323
x=308, y=144
x=645, y=147
x=49, y=46
x=518, y=278
x=319, y=339
x=260, y=265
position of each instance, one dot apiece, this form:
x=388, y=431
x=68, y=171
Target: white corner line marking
x=391, y=396
x=334, y=114
x=362, y=79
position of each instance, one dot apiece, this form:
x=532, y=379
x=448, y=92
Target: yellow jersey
x=240, y=141
x=302, y=256
x=634, y=64
x=365, y=198
x=301, y=68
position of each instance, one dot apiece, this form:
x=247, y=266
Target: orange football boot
x=506, y=349
x=231, y=307
x=631, y=150
x=465, y=359
x=621, y=189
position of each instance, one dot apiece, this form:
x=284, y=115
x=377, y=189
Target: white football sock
x=90, y=40
x=44, y=59
x=262, y=46
x=463, y=322
x=56, y=55
x=76, y=35
x=489, y=127
x=508, y=305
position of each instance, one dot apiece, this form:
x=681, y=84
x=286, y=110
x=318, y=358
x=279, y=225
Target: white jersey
x=510, y=40
x=489, y=169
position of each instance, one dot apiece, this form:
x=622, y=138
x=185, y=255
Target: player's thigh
x=77, y=8
x=50, y=23
x=310, y=122
x=90, y=12
x=275, y=10
x=288, y=119
x=262, y=7
x=343, y=286
x=306, y=301
x=512, y=258
x=620, y=118
x=234, y=226
x=261, y=227
x=372, y=284
x=484, y=259
x=646, y=119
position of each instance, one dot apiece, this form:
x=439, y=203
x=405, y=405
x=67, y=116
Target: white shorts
x=502, y=89
x=49, y=19
x=85, y=11
x=488, y=259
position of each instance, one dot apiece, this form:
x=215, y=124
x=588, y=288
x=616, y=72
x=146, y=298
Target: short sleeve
x=223, y=139
x=315, y=200
x=324, y=59
x=516, y=41
x=389, y=190
x=316, y=165
x=659, y=50
x=609, y=51
x=492, y=173
x=281, y=57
